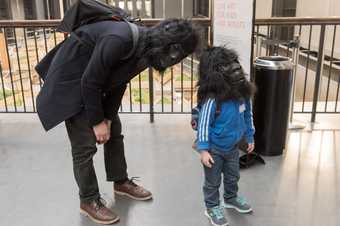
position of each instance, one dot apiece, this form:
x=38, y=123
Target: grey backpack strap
x=135, y=37
x=83, y=42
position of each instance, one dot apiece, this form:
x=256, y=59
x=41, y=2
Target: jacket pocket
x=225, y=135
x=70, y=82
x=68, y=93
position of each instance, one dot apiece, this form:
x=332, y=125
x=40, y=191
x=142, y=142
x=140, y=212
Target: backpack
x=195, y=112
x=85, y=12
x=91, y=11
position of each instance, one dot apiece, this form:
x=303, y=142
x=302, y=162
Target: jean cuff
x=117, y=178
x=90, y=198
x=210, y=206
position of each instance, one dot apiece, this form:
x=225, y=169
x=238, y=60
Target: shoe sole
x=227, y=206
x=133, y=197
x=207, y=215
x=84, y=213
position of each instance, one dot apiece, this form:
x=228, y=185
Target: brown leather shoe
x=98, y=212
x=132, y=190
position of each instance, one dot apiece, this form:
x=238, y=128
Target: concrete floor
x=37, y=188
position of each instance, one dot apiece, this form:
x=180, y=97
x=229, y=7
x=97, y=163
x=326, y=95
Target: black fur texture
x=169, y=42
x=221, y=77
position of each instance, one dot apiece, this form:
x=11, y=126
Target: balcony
x=299, y=188
x=37, y=186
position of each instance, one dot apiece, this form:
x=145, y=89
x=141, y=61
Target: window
x=30, y=9
x=5, y=13
x=201, y=8
x=283, y=8
x=52, y=9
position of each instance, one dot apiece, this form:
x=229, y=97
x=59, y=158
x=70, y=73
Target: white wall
x=17, y=8
x=315, y=8
x=264, y=8
x=173, y=8
x=40, y=9
x=320, y=8
x=310, y=8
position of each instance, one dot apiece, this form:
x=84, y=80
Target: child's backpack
x=194, y=117
x=195, y=112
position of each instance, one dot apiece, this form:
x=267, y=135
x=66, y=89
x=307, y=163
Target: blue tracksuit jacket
x=224, y=130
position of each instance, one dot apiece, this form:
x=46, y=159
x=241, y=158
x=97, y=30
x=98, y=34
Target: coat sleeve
x=248, y=118
x=107, y=53
x=206, y=117
x=112, y=101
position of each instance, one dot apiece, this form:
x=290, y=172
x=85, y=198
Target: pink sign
x=233, y=27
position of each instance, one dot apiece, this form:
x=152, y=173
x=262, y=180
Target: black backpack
x=91, y=11
x=81, y=13
x=195, y=112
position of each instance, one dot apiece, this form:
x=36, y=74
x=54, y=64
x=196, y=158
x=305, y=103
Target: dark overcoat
x=88, y=72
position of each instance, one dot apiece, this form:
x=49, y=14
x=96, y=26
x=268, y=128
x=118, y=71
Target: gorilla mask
x=222, y=77
x=170, y=42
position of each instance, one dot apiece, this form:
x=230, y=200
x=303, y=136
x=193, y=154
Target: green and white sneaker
x=216, y=216
x=238, y=203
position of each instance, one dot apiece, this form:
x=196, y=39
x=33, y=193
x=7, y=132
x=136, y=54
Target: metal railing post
x=319, y=70
x=134, y=8
x=151, y=95
x=295, y=56
x=211, y=28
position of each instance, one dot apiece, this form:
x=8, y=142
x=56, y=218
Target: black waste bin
x=273, y=78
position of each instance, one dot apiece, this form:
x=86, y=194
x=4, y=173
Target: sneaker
x=238, y=203
x=98, y=212
x=132, y=190
x=216, y=216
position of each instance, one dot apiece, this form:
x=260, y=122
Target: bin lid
x=274, y=63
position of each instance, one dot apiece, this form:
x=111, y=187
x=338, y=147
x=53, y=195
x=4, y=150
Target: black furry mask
x=170, y=42
x=222, y=77
x=164, y=57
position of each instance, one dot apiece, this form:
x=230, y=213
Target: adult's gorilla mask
x=170, y=42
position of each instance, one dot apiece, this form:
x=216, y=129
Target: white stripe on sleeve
x=206, y=126
x=204, y=122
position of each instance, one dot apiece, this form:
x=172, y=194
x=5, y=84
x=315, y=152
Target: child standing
x=225, y=117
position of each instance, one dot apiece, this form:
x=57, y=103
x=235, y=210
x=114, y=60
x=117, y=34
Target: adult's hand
x=102, y=132
x=108, y=122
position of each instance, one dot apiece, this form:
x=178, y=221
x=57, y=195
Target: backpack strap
x=83, y=42
x=218, y=110
x=135, y=38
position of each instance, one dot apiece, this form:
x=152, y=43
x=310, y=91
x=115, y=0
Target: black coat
x=91, y=79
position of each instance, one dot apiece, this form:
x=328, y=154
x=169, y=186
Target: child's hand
x=194, y=146
x=207, y=159
x=250, y=148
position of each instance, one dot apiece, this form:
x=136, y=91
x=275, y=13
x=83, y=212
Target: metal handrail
x=326, y=26
x=23, y=49
x=201, y=21
x=53, y=23
x=298, y=21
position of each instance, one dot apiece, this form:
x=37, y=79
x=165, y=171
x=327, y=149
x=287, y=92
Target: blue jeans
x=228, y=165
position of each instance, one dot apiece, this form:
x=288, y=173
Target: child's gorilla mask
x=220, y=64
x=236, y=79
x=233, y=74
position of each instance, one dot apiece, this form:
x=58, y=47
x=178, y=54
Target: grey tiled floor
x=37, y=188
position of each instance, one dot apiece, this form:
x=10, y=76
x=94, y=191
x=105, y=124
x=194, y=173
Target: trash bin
x=273, y=78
